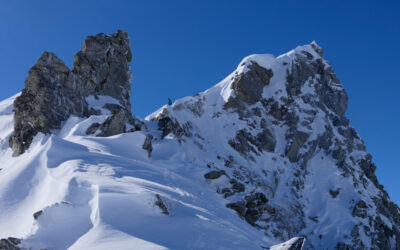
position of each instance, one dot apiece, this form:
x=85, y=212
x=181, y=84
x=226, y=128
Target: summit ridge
x=265, y=159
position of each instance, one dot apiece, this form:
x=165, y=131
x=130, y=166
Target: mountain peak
x=265, y=156
x=102, y=66
x=283, y=118
x=53, y=92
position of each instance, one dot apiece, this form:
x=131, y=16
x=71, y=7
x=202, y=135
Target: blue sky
x=184, y=47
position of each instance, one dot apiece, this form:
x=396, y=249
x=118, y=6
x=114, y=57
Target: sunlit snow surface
x=99, y=193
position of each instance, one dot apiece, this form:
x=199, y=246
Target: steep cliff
x=53, y=92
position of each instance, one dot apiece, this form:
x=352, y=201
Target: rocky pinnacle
x=53, y=92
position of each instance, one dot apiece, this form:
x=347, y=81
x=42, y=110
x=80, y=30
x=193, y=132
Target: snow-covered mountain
x=265, y=156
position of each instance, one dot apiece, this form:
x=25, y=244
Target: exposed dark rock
x=14, y=240
x=93, y=128
x=242, y=143
x=227, y=192
x=339, y=154
x=334, y=193
x=383, y=233
x=245, y=143
x=369, y=168
x=115, y=124
x=237, y=186
x=48, y=99
x=147, y=145
x=265, y=141
x=215, y=174
x=37, y=214
x=114, y=108
x=325, y=140
x=239, y=207
x=360, y=210
x=102, y=67
x=248, y=87
x=251, y=208
x=167, y=126
x=52, y=92
x=343, y=246
x=10, y=244
x=332, y=96
x=159, y=202
x=297, y=140
x=279, y=112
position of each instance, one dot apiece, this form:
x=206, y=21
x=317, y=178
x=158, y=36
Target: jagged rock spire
x=53, y=92
x=102, y=66
x=48, y=99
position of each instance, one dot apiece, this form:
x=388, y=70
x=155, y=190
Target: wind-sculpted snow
x=265, y=158
x=278, y=126
x=97, y=193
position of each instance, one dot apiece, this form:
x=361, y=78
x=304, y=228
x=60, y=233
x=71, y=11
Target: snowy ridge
x=100, y=192
x=230, y=168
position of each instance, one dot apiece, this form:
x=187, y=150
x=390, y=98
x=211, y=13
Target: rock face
x=292, y=148
x=102, y=67
x=10, y=244
x=53, y=92
x=48, y=99
x=272, y=140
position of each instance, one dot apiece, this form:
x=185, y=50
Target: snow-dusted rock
x=265, y=156
x=295, y=243
x=102, y=67
x=53, y=93
x=48, y=99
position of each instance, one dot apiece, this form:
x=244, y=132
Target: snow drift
x=263, y=157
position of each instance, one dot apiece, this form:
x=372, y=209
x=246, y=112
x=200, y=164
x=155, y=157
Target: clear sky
x=184, y=47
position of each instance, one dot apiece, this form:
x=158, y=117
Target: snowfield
x=99, y=193
x=286, y=162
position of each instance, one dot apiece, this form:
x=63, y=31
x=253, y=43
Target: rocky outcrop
x=171, y=126
x=215, y=174
x=248, y=87
x=245, y=142
x=102, y=67
x=52, y=92
x=160, y=203
x=298, y=132
x=10, y=243
x=48, y=99
x=251, y=208
x=147, y=144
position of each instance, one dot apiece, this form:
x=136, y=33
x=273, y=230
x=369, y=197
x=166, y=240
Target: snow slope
x=90, y=192
x=97, y=193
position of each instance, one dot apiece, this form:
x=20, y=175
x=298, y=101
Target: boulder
x=215, y=174
x=147, y=145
